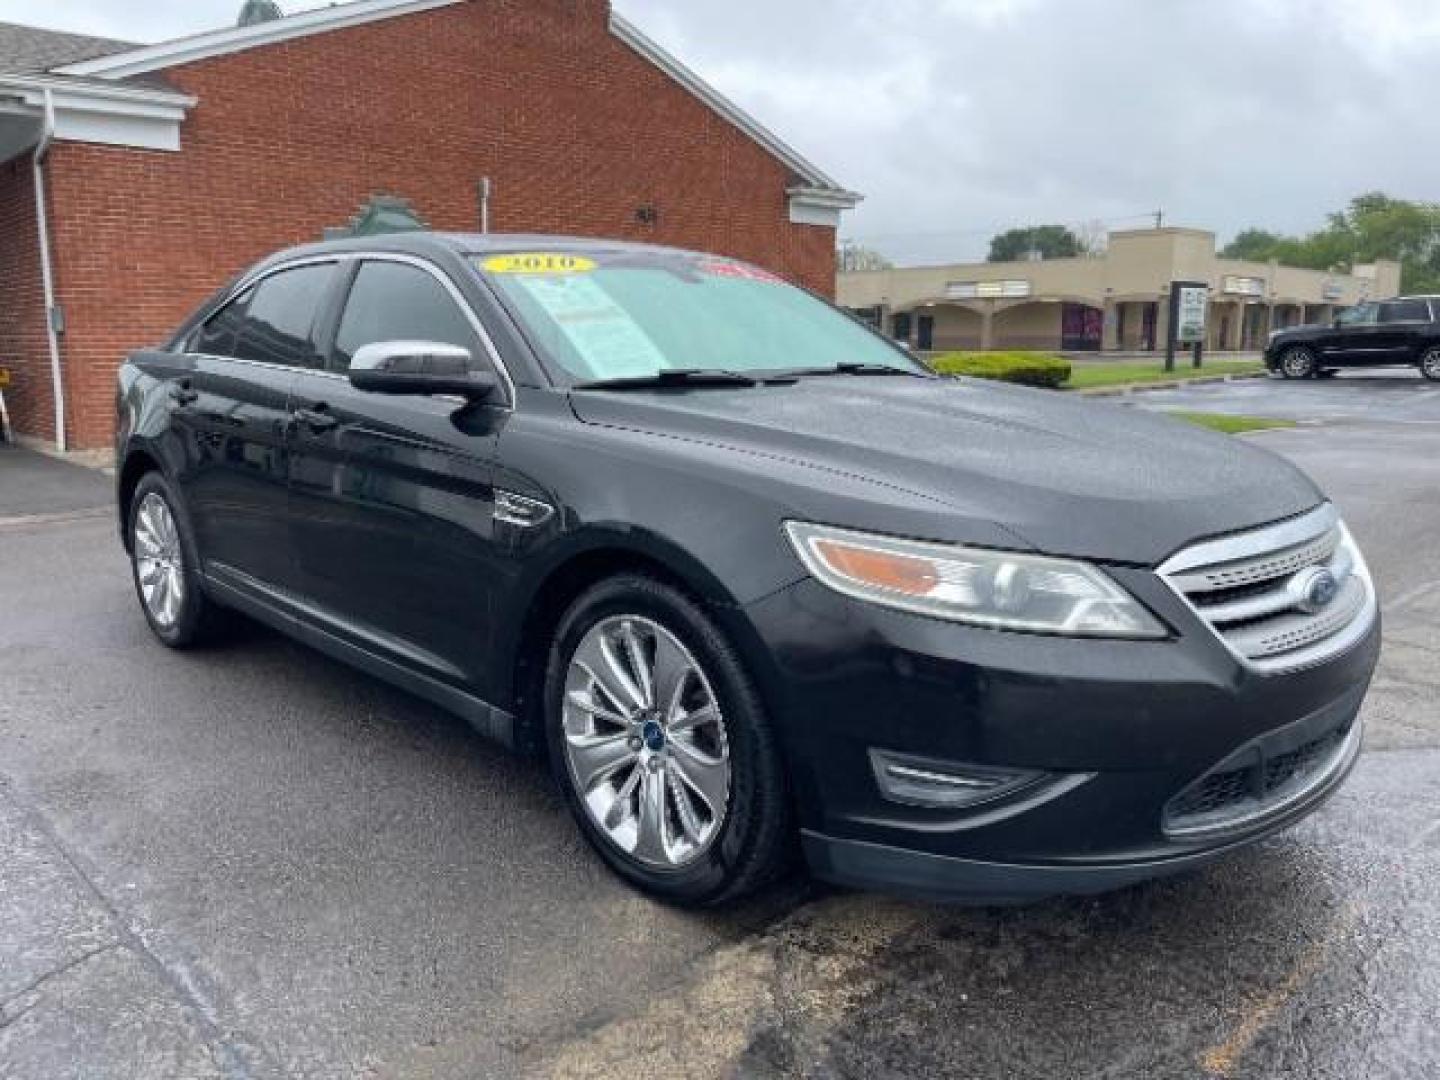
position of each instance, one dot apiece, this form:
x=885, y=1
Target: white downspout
x=47, y=275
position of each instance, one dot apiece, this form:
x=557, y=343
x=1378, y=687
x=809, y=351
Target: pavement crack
x=63, y=969
x=32, y=521
x=235, y=1061
x=7, y=1020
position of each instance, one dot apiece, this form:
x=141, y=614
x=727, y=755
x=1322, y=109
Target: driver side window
x=392, y=301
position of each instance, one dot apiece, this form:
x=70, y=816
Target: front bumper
x=1119, y=729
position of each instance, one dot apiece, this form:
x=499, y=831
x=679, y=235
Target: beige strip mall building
x=1116, y=301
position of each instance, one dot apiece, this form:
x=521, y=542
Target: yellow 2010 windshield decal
x=539, y=262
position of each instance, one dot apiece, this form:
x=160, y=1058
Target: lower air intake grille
x=1256, y=785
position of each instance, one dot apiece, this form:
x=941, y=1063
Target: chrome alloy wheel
x=159, y=562
x=645, y=742
x=1430, y=364
x=1297, y=363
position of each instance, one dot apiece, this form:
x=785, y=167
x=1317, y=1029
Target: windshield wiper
x=673, y=377
x=859, y=368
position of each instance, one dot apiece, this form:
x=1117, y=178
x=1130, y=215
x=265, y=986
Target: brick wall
x=575, y=129
x=22, y=306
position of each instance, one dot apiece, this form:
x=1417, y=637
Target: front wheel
x=1430, y=364
x=1298, y=362
x=661, y=744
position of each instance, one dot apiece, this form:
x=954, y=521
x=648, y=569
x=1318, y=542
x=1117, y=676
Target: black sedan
x=751, y=578
x=1400, y=332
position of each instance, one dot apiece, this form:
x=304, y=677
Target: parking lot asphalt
x=252, y=862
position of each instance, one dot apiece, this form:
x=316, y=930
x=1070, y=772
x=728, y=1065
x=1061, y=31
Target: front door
x=233, y=413
x=1357, y=338
x=393, y=504
x=925, y=333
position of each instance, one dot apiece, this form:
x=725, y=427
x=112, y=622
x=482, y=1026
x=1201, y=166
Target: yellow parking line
x=1222, y=1060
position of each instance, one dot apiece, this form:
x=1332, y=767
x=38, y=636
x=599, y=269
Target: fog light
x=944, y=785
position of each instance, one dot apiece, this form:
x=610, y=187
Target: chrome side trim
x=517, y=510
x=341, y=258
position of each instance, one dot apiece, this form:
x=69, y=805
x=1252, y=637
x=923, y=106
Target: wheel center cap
x=653, y=736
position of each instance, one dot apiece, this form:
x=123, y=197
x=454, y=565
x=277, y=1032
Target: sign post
x=1189, y=306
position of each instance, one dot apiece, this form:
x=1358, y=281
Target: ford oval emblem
x=1318, y=589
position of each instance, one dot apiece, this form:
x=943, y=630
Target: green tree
x=1374, y=226
x=1049, y=241
x=1255, y=245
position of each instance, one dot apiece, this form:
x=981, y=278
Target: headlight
x=988, y=588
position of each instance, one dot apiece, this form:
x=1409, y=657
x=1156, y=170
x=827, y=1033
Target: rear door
x=393, y=508
x=1402, y=325
x=233, y=415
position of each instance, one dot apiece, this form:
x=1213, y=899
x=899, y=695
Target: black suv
x=1405, y=331
x=746, y=573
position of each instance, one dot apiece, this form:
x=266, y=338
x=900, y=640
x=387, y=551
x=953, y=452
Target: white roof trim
x=236, y=39
x=138, y=99
x=97, y=112
x=813, y=177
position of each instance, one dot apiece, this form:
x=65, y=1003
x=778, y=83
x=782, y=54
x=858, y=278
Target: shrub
x=1027, y=368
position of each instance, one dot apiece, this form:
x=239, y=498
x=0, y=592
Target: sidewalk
x=32, y=484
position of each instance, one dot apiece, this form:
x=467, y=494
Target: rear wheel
x=165, y=566
x=660, y=742
x=1298, y=362
x=1430, y=363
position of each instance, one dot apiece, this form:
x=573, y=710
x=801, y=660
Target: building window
x=1081, y=327
x=902, y=322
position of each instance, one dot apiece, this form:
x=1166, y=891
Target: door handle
x=317, y=419
x=182, y=394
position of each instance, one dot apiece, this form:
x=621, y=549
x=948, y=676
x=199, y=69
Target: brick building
x=134, y=180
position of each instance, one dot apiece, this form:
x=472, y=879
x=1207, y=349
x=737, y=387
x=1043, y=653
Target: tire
x=1298, y=362
x=164, y=565
x=642, y=767
x=1430, y=363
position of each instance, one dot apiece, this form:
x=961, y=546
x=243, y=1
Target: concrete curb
x=99, y=460
x=1126, y=389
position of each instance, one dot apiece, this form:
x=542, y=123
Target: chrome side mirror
x=426, y=368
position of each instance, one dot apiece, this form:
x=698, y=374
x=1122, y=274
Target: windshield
x=628, y=315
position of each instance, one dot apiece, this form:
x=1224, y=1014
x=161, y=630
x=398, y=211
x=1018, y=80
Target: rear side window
x=273, y=322
x=1405, y=311
x=398, y=302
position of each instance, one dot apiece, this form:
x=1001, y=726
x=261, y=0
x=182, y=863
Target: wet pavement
x=251, y=862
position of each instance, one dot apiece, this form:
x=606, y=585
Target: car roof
x=452, y=243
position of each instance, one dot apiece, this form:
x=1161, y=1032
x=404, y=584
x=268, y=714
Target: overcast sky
x=957, y=118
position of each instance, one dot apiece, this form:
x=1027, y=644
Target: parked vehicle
x=747, y=573
x=1404, y=331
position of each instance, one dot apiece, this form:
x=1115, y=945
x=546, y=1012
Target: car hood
x=1069, y=476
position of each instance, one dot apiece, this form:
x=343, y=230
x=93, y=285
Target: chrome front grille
x=1286, y=596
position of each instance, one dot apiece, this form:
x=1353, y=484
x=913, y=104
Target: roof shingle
x=28, y=50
